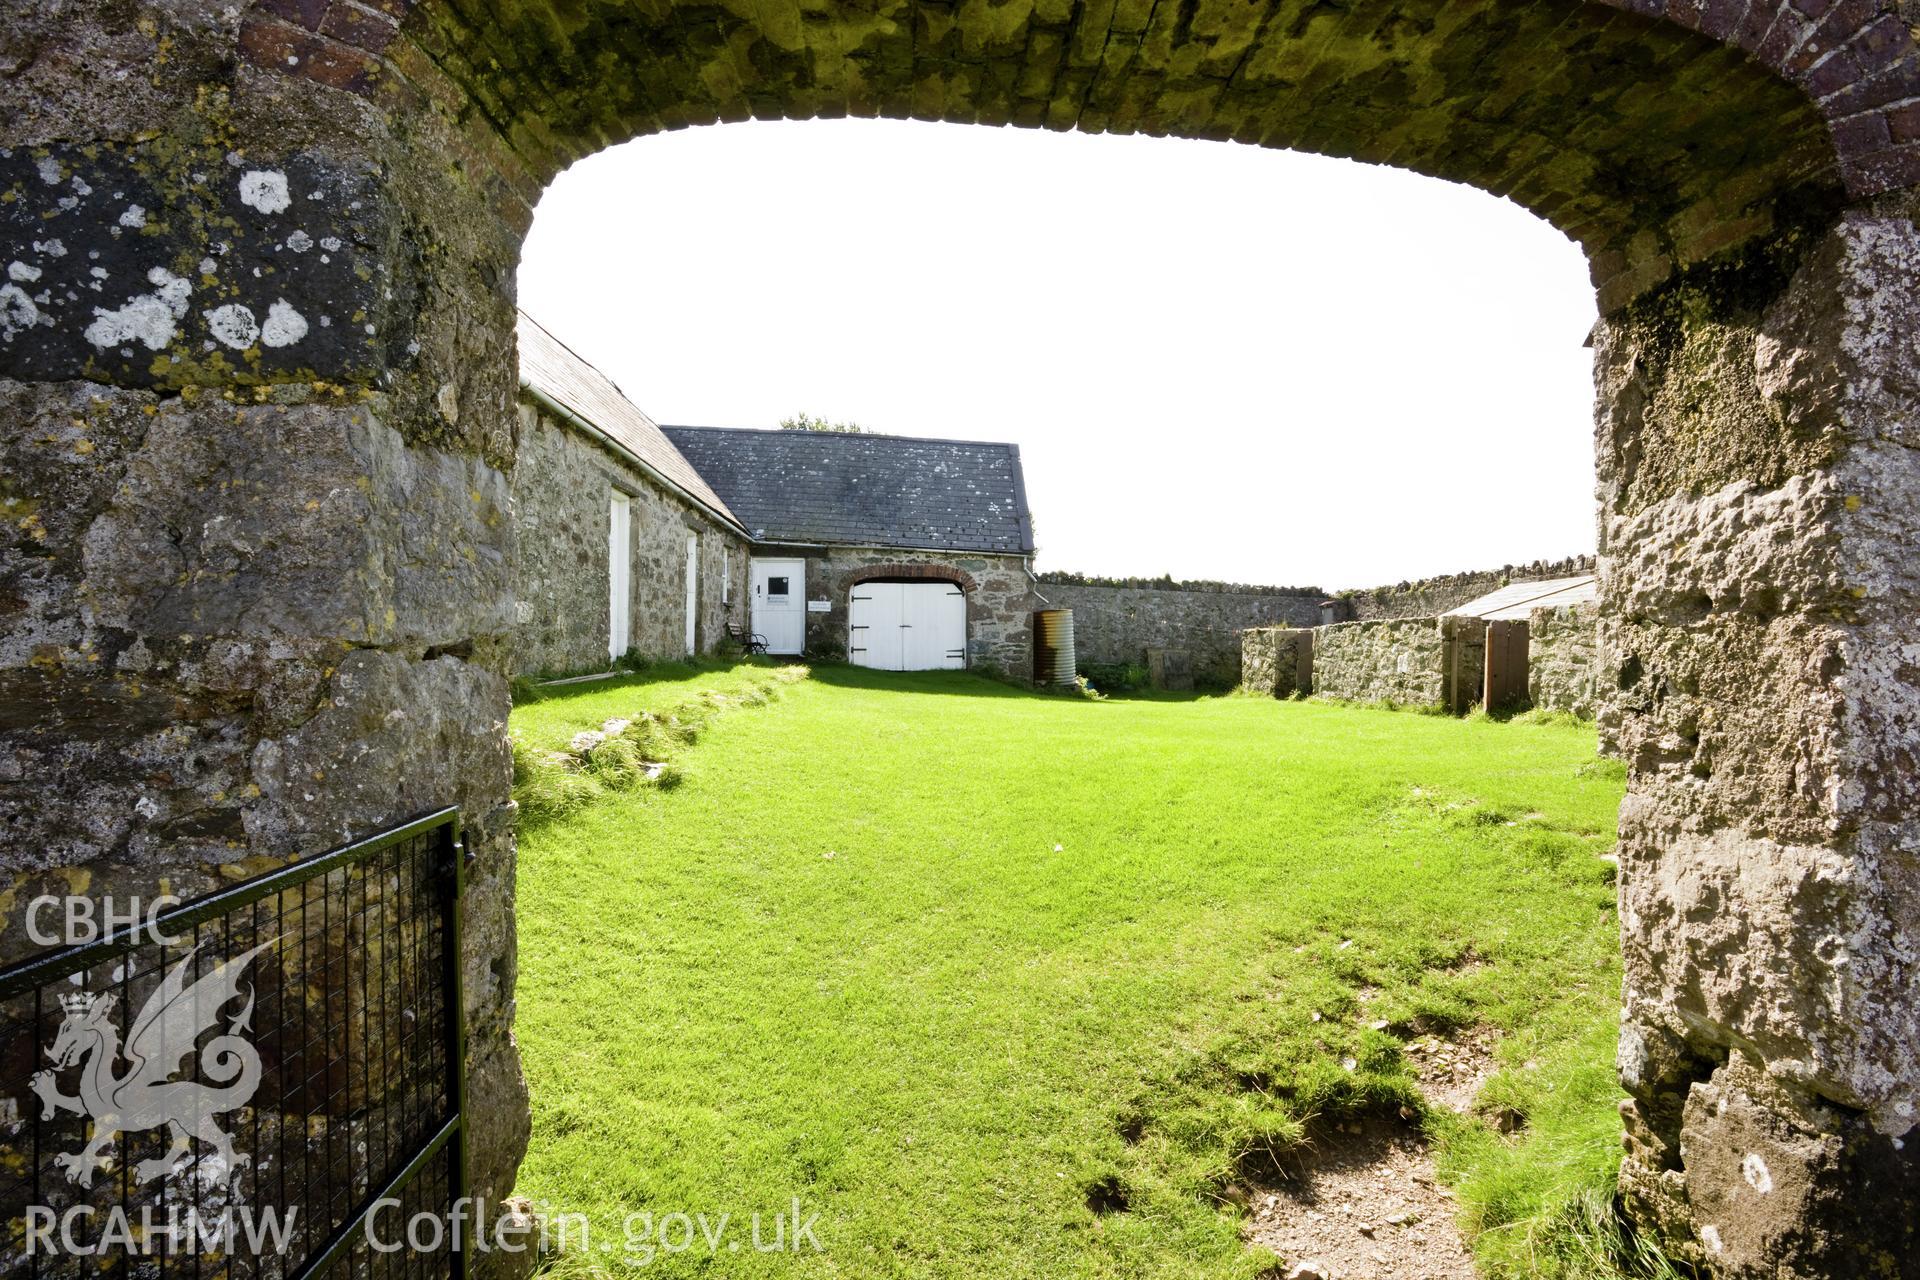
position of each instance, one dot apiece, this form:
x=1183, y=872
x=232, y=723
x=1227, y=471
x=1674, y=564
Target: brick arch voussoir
x=1856, y=59
x=930, y=572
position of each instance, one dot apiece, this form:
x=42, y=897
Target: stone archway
x=257, y=347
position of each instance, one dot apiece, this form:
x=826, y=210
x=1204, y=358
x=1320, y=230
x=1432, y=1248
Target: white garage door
x=908, y=626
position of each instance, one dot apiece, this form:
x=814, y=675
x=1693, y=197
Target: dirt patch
x=1364, y=1206
x=1451, y=1069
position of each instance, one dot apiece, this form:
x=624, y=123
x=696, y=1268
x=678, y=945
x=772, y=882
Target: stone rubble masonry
x=1117, y=625
x=1760, y=502
x=1277, y=661
x=563, y=484
x=255, y=578
x=999, y=588
x=1422, y=662
x=257, y=381
x=1430, y=597
x=1563, y=659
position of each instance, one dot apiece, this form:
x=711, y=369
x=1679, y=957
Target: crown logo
x=79, y=1002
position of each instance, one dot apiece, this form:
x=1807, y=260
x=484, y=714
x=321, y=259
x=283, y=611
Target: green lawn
x=938, y=958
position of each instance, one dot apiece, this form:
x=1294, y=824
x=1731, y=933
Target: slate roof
x=866, y=490
x=556, y=372
x=1512, y=603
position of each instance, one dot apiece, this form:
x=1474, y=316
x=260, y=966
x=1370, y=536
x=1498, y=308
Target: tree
x=807, y=422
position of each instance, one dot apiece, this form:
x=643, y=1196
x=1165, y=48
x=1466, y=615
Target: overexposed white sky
x=1218, y=361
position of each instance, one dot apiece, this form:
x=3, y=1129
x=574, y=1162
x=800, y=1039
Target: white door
x=619, y=584
x=780, y=604
x=693, y=593
x=875, y=629
x=907, y=626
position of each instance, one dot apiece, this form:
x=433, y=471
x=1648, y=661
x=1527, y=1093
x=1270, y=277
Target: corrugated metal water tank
x=1053, y=647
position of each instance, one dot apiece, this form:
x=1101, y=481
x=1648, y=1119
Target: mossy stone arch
x=295, y=387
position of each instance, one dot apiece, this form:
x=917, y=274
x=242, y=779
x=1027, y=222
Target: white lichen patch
x=284, y=325
x=50, y=172
x=265, y=190
x=233, y=326
x=1755, y=1171
x=21, y=273
x=17, y=311
x=135, y=217
x=299, y=242
x=148, y=319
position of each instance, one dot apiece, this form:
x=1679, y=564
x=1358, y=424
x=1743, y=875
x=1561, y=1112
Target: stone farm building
x=621, y=544
x=890, y=551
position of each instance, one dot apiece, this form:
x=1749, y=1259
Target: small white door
x=907, y=626
x=693, y=593
x=780, y=604
x=619, y=582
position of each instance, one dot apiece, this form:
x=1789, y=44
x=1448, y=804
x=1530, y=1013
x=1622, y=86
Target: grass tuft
x=633, y=747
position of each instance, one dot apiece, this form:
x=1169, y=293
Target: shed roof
x=557, y=373
x=866, y=490
x=1513, y=602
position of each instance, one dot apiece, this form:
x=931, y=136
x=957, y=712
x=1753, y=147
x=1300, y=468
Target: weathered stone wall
x=1428, y=662
x=1563, y=659
x=1277, y=661
x=1430, y=597
x=562, y=485
x=1760, y=500
x=1000, y=598
x=256, y=386
x=1117, y=625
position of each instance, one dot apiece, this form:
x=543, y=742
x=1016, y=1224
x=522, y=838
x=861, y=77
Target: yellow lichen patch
x=247, y=868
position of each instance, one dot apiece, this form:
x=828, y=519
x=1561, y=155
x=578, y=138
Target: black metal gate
x=266, y=1082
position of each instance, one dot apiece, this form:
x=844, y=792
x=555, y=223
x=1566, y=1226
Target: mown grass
x=1016, y=986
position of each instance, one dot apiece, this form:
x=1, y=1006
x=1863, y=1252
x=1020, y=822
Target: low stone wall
x=562, y=487
x=1414, y=661
x=1000, y=598
x=1117, y=625
x=1563, y=659
x=1276, y=661
x=1430, y=597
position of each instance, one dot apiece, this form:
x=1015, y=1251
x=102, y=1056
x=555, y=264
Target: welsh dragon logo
x=146, y=1096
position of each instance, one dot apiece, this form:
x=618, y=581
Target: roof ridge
x=839, y=435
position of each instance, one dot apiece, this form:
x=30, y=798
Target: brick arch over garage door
x=904, y=572
x=274, y=574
